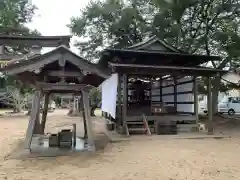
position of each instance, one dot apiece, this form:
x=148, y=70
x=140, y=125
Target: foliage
x=14, y=98
x=106, y=23
x=210, y=27
x=14, y=14
x=207, y=27
x=95, y=96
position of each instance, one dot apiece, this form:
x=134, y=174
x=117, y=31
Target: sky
x=52, y=17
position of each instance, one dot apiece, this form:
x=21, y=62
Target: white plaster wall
x=167, y=90
x=181, y=97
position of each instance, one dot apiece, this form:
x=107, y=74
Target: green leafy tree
x=14, y=14
x=115, y=23
x=95, y=99
x=208, y=27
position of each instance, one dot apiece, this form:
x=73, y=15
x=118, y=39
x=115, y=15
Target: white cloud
x=52, y=17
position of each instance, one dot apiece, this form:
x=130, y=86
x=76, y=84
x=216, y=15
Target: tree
x=207, y=27
x=14, y=98
x=95, y=99
x=14, y=14
x=116, y=23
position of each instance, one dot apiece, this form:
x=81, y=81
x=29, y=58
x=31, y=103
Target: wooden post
x=160, y=86
x=90, y=134
x=77, y=104
x=125, y=102
x=37, y=127
x=45, y=111
x=74, y=135
x=32, y=119
x=119, y=95
x=210, y=112
x=195, y=91
x=84, y=118
x=74, y=103
x=175, y=92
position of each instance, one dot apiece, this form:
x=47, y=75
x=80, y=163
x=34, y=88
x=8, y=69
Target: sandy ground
x=165, y=159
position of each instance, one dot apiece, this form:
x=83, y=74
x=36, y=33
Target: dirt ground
x=165, y=159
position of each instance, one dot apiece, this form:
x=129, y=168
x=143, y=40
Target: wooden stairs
x=138, y=127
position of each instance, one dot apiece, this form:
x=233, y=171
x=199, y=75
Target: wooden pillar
x=84, y=118
x=125, y=102
x=209, y=103
x=175, y=92
x=195, y=92
x=74, y=135
x=37, y=128
x=1, y=49
x=160, y=86
x=125, y=96
x=90, y=134
x=119, y=95
x=32, y=119
x=45, y=111
x=77, y=103
x=74, y=103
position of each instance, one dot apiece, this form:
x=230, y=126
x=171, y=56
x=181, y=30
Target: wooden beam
x=32, y=119
x=172, y=94
x=90, y=134
x=210, y=112
x=30, y=66
x=175, y=70
x=64, y=74
x=84, y=64
x=62, y=87
x=42, y=41
x=5, y=57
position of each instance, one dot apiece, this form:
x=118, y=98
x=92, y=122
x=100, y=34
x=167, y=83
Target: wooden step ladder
x=140, y=126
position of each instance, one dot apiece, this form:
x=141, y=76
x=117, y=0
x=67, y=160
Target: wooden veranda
x=58, y=71
x=153, y=73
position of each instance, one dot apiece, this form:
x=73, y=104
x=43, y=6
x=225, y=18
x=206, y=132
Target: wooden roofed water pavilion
x=58, y=71
x=154, y=74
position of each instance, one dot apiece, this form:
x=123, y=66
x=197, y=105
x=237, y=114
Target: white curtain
x=109, y=95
